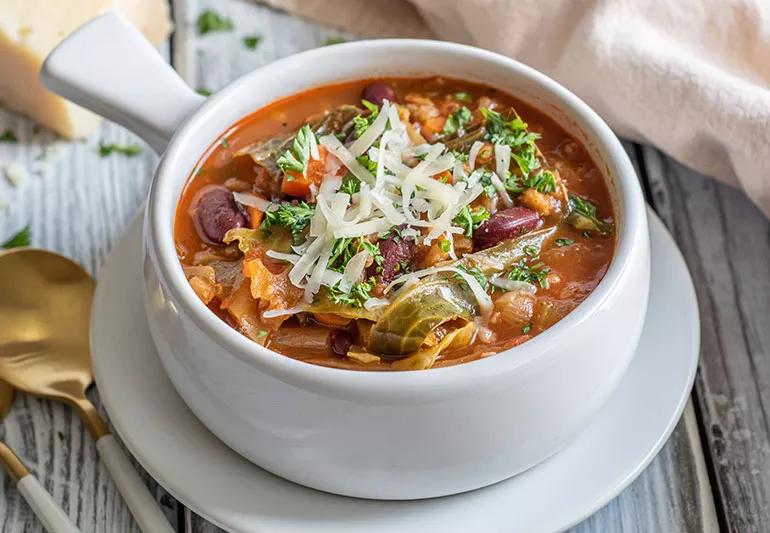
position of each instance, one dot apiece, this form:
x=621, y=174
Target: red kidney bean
x=340, y=342
x=377, y=92
x=395, y=250
x=505, y=224
x=215, y=212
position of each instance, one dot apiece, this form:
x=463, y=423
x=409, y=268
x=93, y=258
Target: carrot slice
x=255, y=216
x=432, y=126
x=298, y=185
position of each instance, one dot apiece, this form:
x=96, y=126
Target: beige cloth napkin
x=691, y=77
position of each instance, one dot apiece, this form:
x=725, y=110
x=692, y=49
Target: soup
x=394, y=224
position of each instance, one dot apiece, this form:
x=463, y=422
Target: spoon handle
x=143, y=506
x=47, y=510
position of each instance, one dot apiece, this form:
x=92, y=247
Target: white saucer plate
x=223, y=487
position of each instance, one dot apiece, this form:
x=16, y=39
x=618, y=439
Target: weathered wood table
x=714, y=473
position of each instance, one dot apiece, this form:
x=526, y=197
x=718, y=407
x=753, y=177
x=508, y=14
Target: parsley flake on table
x=18, y=240
x=210, y=21
x=252, y=41
x=9, y=136
x=130, y=150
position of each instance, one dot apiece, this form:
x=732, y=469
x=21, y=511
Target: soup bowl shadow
x=395, y=435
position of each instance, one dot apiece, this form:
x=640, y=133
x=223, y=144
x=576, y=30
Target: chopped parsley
x=470, y=220
x=251, y=41
x=210, y=21
x=129, y=150
x=297, y=157
x=536, y=274
x=294, y=217
x=362, y=122
x=543, y=181
x=563, y=241
x=9, y=136
x=225, y=142
x=583, y=216
x=374, y=251
x=18, y=240
x=463, y=97
x=358, y=294
x=334, y=40
x=476, y=273
x=456, y=122
x=526, y=329
x=514, y=133
x=346, y=247
x=459, y=156
x=513, y=184
x=203, y=91
x=531, y=250
x=367, y=163
x=350, y=185
x=486, y=182
x=526, y=158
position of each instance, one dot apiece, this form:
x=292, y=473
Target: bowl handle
x=108, y=67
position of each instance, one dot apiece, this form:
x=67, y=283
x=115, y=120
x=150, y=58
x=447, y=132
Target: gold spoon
x=45, y=306
x=53, y=518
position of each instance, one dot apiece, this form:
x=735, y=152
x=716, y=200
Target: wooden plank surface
x=78, y=203
x=726, y=242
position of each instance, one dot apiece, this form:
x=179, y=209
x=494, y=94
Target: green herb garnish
x=563, y=241
x=350, y=185
x=526, y=158
x=456, y=122
x=210, y=21
x=297, y=157
x=536, y=274
x=514, y=133
x=459, y=156
x=9, y=136
x=18, y=240
x=358, y=294
x=463, y=97
x=582, y=216
x=294, y=217
x=543, y=181
x=203, y=91
x=444, y=245
x=345, y=248
x=470, y=220
x=513, y=184
x=362, y=122
x=476, y=273
x=225, y=142
x=252, y=41
x=129, y=150
x=367, y=163
x=526, y=329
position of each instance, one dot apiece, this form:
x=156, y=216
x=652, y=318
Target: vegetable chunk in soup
x=394, y=224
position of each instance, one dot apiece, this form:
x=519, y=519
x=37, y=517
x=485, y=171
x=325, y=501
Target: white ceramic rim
x=163, y=201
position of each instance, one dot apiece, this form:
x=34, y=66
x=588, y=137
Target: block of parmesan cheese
x=30, y=29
